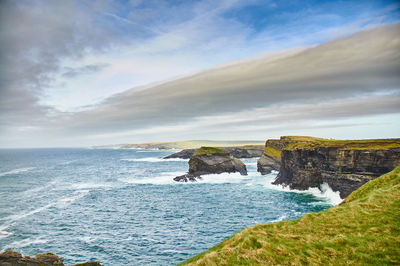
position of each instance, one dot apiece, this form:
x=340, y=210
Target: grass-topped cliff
x=363, y=230
x=209, y=150
x=274, y=147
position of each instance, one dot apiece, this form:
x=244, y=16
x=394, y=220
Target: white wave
x=68, y=162
x=17, y=171
x=39, y=188
x=223, y=178
x=15, y=217
x=155, y=160
x=159, y=180
x=82, y=186
x=281, y=218
x=80, y=193
x=4, y=234
x=324, y=192
x=165, y=178
x=26, y=242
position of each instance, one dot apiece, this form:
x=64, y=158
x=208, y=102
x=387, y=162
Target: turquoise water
x=121, y=207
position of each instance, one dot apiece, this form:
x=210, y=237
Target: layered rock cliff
x=271, y=158
x=207, y=160
x=248, y=151
x=343, y=165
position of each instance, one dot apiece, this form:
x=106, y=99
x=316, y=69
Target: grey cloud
x=70, y=72
x=35, y=36
x=364, y=63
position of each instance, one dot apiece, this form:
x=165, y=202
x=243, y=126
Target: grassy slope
x=364, y=229
x=275, y=153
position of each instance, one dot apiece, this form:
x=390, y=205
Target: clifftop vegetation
x=364, y=229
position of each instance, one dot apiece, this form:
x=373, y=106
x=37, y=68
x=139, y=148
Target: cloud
x=70, y=72
x=364, y=63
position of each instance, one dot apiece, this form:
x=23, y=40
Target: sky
x=83, y=73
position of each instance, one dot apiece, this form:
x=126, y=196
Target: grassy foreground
x=364, y=230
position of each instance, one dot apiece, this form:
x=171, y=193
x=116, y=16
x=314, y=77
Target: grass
x=363, y=230
x=370, y=144
x=209, y=150
x=273, y=152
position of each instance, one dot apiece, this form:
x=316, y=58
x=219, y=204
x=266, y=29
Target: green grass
x=209, y=150
x=363, y=230
x=273, y=152
x=370, y=144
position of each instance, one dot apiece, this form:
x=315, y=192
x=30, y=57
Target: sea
x=122, y=207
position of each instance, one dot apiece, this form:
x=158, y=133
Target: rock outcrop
x=343, y=165
x=271, y=158
x=207, y=160
x=183, y=154
x=12, y=258
x=248, y=151
x=266, y=164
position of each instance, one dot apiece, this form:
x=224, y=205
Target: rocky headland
x=208, y=160
x=345, y=165
x=12, y=258
x=247, y=151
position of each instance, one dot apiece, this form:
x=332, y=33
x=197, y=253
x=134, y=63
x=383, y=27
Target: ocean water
x=121, y=207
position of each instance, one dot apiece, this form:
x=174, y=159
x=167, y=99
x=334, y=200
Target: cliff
x=247, y=151
x=344, y=165
x=187, y=144
x=208, y=160
x=271, y=157
x=362, y=230
x=12, y=258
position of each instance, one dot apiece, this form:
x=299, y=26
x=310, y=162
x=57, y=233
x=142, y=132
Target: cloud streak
x=363, y=63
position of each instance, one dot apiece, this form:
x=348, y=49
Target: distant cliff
x=344, y=165
x=247, y=151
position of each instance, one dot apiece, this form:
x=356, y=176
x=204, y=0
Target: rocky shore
x=12, y=258
x=208, y=160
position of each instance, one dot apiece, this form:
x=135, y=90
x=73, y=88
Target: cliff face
x=271, y=157
x=343, y=168
x=211, y=161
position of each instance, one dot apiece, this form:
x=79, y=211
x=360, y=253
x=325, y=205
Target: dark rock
x=343, y=169
x=11, y=258
x=211, y=161
x=266, y=164
x=249, y=151
x=183, y=154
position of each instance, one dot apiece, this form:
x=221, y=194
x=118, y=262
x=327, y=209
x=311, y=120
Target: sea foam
x=155, y=160
x=17, y=171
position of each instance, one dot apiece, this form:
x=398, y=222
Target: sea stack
x=208, y=160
